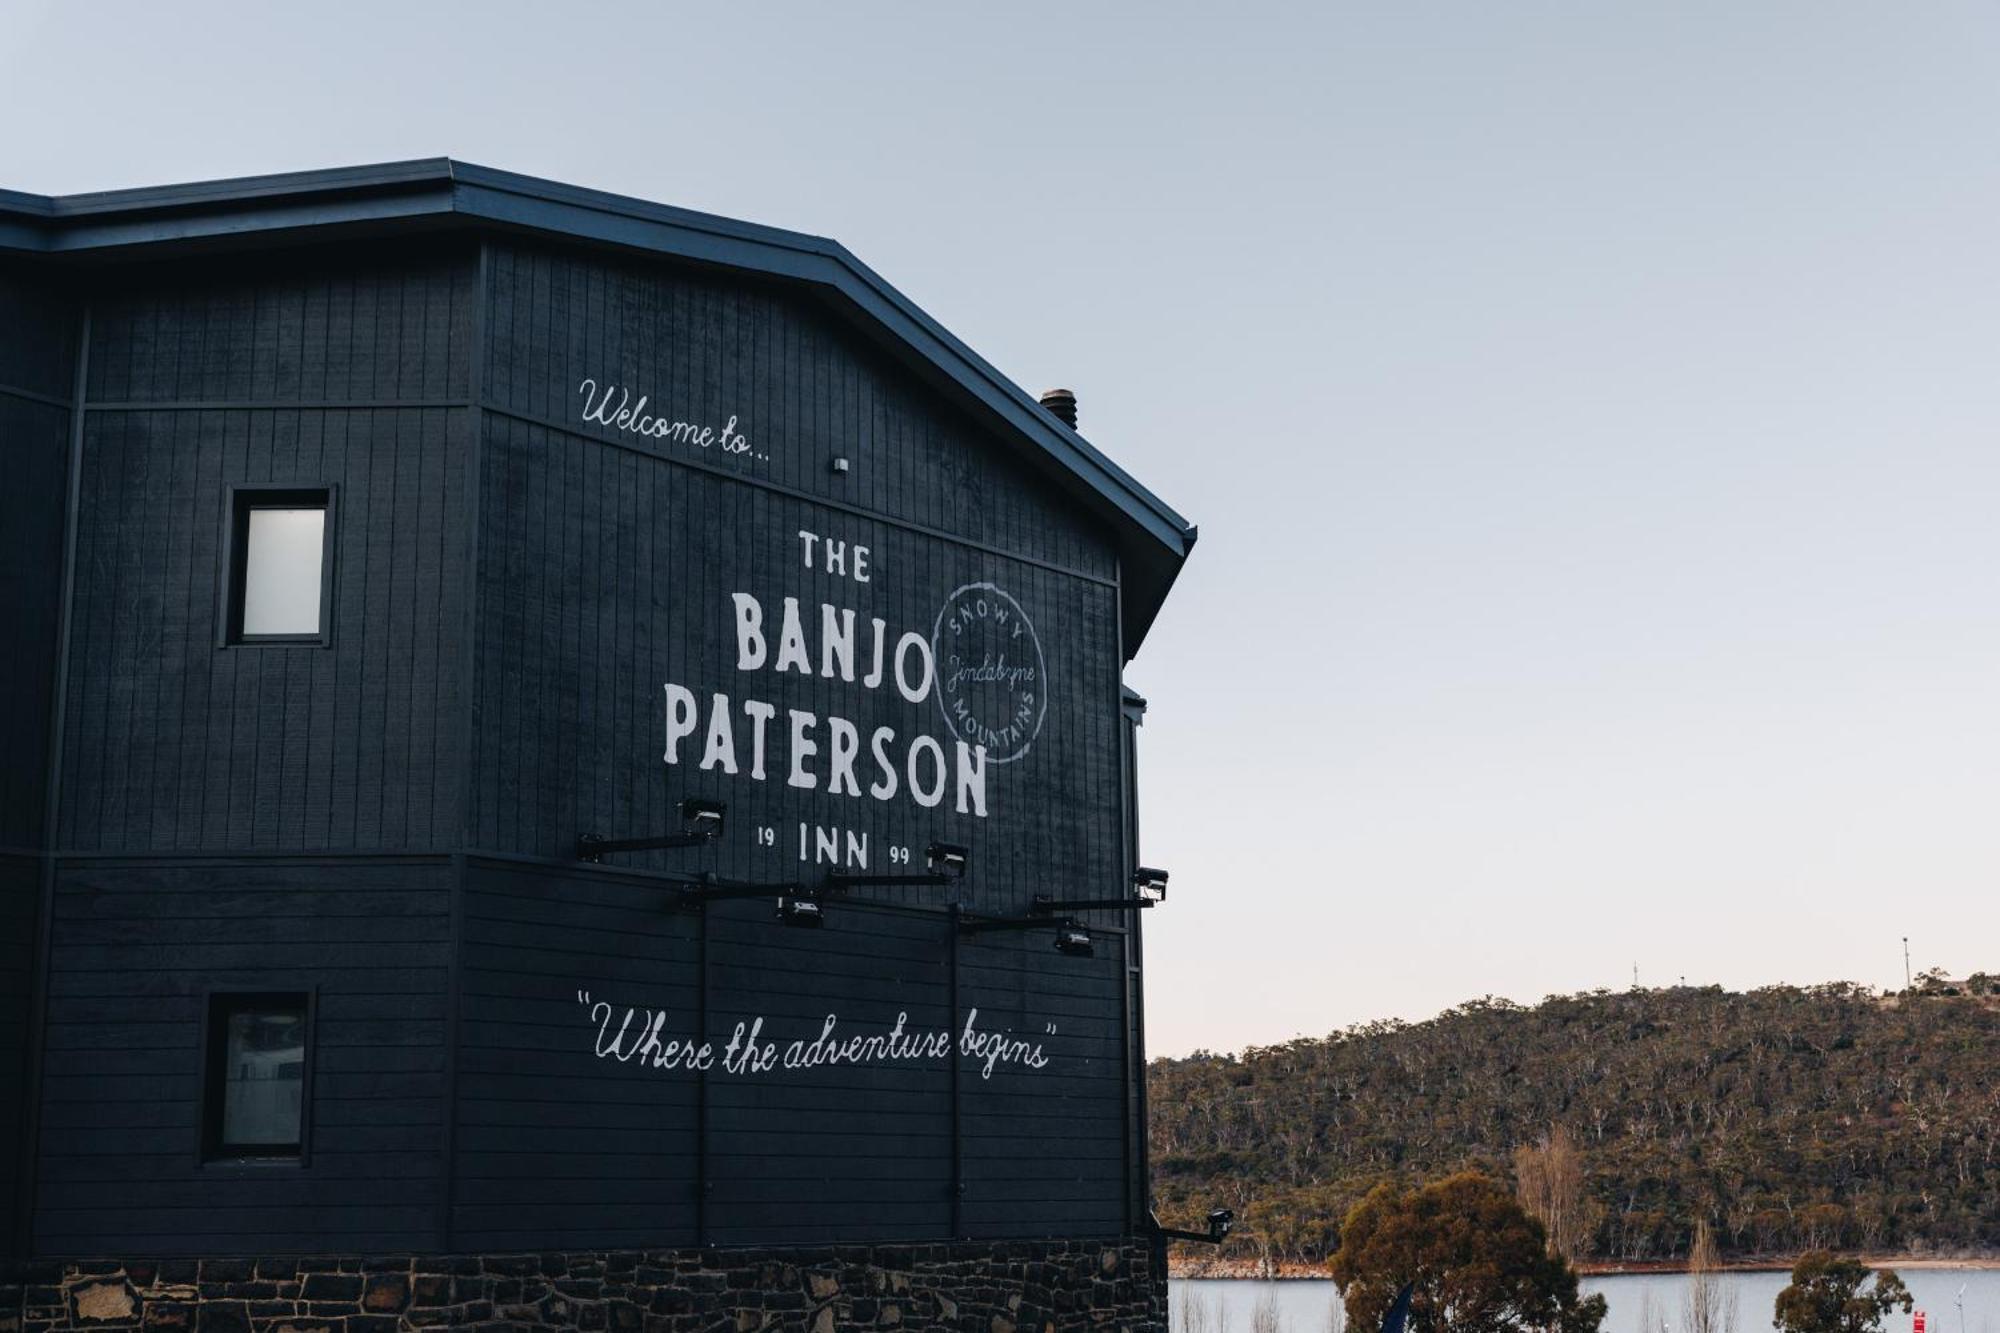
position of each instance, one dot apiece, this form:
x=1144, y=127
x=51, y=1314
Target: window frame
x=242, y=498
x=210, y=1149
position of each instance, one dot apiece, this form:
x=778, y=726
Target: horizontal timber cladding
x=583, y=1120
x=767, y=367
x=1044, y=1149
x=136, y=952
x=20, y=893
x=176, y=743
x=554, y=1147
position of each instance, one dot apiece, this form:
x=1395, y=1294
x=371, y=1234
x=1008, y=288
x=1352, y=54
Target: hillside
x=1790, y=1118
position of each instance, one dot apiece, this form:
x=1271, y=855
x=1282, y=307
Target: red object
x=1918, y=1326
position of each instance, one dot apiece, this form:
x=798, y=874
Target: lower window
x=255, y=1094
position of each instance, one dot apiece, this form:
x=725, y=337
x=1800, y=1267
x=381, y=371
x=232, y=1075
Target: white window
x=280, y=552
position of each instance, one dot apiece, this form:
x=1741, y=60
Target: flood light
x=1150, y=884
x=702, y=816
x=797, y=905
x=944, y=862
x=1220, y=1220
x=804, y=912
x=1073, y=941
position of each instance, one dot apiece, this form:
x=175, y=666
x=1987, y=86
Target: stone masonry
x=1000, y=1287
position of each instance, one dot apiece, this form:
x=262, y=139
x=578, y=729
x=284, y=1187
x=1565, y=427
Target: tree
x=1707, y=1307
x=1791, y=1119
x=1549, y=1176
x=1479, y=1262
x=1826, y=1296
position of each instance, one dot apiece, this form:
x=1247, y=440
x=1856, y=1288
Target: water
x=1306, y=1306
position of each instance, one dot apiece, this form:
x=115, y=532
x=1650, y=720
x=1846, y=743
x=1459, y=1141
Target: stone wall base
x=991, y=1287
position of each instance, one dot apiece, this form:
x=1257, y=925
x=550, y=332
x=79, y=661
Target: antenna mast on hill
x=1906, y=962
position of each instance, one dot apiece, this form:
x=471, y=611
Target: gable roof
x=438, y=193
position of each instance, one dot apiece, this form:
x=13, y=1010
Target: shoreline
x=1250, y=1271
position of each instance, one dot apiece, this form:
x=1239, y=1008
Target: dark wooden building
x=380, y=549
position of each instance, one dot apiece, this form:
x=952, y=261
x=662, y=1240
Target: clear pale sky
x=1591, y=412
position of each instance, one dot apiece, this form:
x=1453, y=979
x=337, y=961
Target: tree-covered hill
x=1790, y=1119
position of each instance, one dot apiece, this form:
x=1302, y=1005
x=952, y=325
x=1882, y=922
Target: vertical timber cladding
x=345, y=370
x=637, y=629
x=270, y=818
x=37, y=347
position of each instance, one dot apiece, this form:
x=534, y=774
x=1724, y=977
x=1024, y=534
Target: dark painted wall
x=310, y=375
x=605, y=568
x=607, y=572
x=553, y=1146
x=37, y=351
x=802, y=384
x=20, y=890
x=136, y=950
x=558, y=1145
x=609, y=558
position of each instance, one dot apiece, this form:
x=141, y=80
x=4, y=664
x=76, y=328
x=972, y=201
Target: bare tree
x=1649, y=1314
x=1548, y=1178
x=1195, y=1315
x=1709, y=1304
x=1190, y=1316
x=1265, y=1318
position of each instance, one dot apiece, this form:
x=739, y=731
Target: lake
x=1300, y=1306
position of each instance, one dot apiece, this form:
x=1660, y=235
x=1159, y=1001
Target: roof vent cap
x=1062, y=402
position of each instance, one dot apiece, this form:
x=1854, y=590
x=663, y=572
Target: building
x=384, y=549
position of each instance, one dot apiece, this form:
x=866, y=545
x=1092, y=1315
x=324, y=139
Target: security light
x=946, y=862
x=1044, y=905
x=797, y=906
x=1150, y=884
x=803, y=912
x=1073, y=941
x=703, y=816
x=1220, y=1221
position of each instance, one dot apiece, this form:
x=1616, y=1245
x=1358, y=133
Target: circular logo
x=992, y=681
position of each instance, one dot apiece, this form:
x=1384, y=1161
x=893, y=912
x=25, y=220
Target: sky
x=1590, y=412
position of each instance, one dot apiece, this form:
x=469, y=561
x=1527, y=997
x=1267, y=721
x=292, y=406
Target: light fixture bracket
x=701, y=823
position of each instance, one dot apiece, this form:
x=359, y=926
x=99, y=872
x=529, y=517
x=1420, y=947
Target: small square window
x=280, y=565
x=255, y=1090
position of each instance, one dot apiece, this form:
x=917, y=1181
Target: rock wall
x=1013, y=1287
